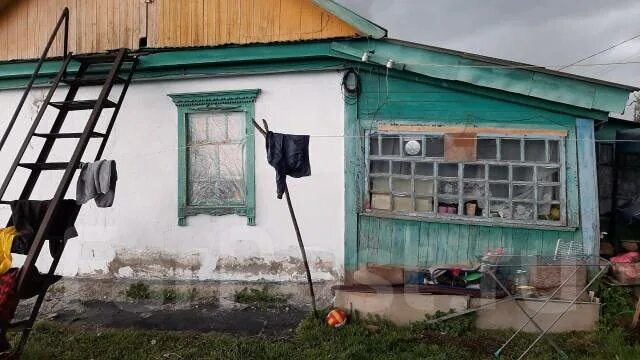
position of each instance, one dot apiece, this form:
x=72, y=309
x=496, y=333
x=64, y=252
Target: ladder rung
x=100, y=58
x=80, y=104
x=46, y=166
x=67, y=135
x=20, y=325
x=91, y=80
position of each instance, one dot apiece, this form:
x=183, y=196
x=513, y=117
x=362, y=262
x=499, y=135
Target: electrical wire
x=600, y=52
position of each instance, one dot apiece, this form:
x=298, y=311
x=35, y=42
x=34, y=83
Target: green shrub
x=262, y=296
x=617, y=302
x=169, y=295
x=138, y=291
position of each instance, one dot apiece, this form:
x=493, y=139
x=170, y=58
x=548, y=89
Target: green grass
x=314, y=340
x=264, y=296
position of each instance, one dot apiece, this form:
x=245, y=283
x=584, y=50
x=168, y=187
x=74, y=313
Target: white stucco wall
x=139, y=235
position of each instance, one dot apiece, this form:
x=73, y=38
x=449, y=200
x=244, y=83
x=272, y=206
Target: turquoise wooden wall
x=400, y=99
x=419, y=243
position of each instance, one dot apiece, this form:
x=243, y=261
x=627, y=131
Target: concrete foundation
x=405, y=308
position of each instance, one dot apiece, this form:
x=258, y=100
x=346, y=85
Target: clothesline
x=203, y=144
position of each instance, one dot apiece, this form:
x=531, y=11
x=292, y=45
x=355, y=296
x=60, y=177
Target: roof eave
x=361, y=24
x=558, y=87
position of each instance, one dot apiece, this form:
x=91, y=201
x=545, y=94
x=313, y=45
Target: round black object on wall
x=351, y=83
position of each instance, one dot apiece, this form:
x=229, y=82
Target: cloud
x=541, y=32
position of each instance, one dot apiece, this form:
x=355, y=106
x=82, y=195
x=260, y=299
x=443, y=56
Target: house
x=420, y=155
x=617, y=181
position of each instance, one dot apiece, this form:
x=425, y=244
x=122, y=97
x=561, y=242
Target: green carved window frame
x=216, y=102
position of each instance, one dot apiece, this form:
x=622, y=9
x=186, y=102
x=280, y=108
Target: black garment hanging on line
x=289, y=155
x=27, y=215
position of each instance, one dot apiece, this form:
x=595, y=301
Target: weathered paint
x=389, y=99
x=588, y=178
x=142, y=221
x=587, y=98
x=421, y=243
x=448, y=65
x=101, y=25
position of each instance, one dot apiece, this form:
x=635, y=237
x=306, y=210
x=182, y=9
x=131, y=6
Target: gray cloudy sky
x=540, y=32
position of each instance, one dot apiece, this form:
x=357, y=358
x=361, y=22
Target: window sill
x=465, y=221
x=241, y=210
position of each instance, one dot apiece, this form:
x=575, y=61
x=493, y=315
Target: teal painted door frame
x=588, y=186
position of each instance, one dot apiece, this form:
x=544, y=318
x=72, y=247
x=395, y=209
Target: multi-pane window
x=505, y=179
x=216, y=152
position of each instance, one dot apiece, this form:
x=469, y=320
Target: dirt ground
x=241, y=320
x=102, y=304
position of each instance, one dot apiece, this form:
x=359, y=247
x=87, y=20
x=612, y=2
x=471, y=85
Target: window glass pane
x=407, y=184
x=522, y=173
x=474, y=189
x=401, y=168
x=448, y=188
x=523, y=211
x=499, y=209
x=391, y=145
x=217, y=127
x=424, y=187
x=434, y=146
x=498, y=172
x=474, y=171
x=548, y=193
x=548, y=174
x=544, y=211
x=231, y=161
x=197, y=129
x=381, y=202
x=549, y=212
x=554, y=154
x=448, y=208
x=412, y=146
x=510, y=149
x=379, y=167
x=523, y=192
x=401, y=185
x=499, y=191
x=380, y=184
x=401, y=203
x=472, y=208
x=487, y=149
x=373, y=145
x=215, y=172
x=424, y=205
x=230, y=190
x=235, y=126
x=448, y=170
x=424, y=169
x=534, y=150
x=202, y=171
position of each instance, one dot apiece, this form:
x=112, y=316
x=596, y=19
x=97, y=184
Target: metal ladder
x=121, y=65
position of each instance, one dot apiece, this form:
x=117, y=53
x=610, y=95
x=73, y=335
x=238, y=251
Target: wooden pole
x=636, y=316
x=295, y=227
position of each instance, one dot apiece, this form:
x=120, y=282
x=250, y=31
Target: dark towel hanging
x=289, y=155
x=27, y=215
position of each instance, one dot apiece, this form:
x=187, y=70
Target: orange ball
x=336, y=318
